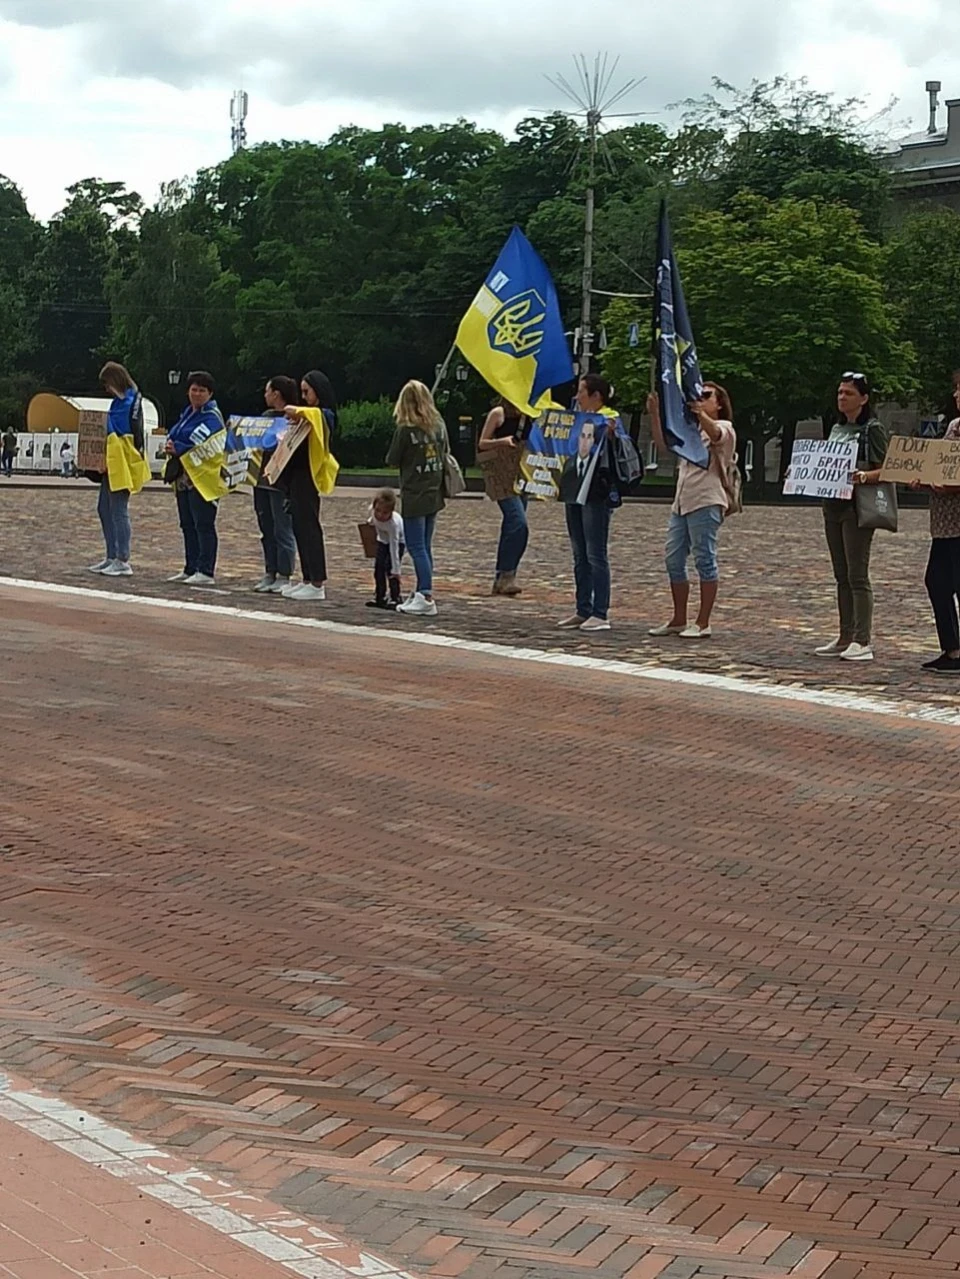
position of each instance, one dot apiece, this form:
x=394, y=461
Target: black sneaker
x=378, y=604
x=936, y=663
x=948, y=666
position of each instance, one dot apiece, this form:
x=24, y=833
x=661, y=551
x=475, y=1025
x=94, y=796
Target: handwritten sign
x=821, y=468
x=911, y=459
x=287, y=445
x=92, y=441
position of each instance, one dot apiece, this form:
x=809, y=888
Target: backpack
x=626, y=464
x=732, y=481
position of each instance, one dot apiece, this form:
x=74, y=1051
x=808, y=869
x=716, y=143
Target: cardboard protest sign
x=911, y=459
x=561, y=455
x=821, y=468
x=287, y=445
x=92, y=441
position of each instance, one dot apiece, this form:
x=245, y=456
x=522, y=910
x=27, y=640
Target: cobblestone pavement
x=501, y=971
x=777, y=598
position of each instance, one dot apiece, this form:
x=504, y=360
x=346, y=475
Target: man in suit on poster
x=575, y=470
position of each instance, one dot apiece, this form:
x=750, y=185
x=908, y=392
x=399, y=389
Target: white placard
x=821, y=468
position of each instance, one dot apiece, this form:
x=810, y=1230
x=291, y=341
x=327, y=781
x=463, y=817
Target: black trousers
x=381, y=574
x=305, y=509
x=943, y=587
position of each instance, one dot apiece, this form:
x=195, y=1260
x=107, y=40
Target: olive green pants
x=849, y=547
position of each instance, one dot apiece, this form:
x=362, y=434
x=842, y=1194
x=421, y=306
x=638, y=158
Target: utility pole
x=593, y=95
x=586, y=303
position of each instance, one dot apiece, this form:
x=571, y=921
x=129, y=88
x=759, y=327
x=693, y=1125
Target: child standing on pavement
x=387, y=567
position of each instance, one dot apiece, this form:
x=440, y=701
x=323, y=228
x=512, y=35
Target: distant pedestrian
x=388, y=563
x=848, y=543
x=499, y=447
x=701, y=502
x=8, y=451
x=198, y=518
x=943, y=568
x=126, y=470
x=67, y=459
x=311, y=473
x=419, y=451
x=271, y=504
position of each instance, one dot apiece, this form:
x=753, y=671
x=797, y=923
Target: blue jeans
x=514, y=534
x=114, y=512
x=589, y=529
x=697, y=531
x=198, y=523
x=276, y=531
x=418, y=534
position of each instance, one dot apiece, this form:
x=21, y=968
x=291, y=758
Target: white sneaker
x=98, y=568
x=119, y=568
x=280, y=586
x=418, y=606
x=595, y=624
x=693, y=631
x=307, y=591
x=667, y=629
x=571, y=623
x=858, y=653
x=200, y=579
x=290, y=587
x=833, y=649
x=265, y=585
x=178, y=577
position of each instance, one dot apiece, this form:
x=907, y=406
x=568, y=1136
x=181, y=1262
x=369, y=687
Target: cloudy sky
x=139, y=90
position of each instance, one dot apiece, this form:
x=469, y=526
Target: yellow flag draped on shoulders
x=204, y=466
x=324, y=467
x=126, y=466
x=513, y=332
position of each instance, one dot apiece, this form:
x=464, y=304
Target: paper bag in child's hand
x=368, y=536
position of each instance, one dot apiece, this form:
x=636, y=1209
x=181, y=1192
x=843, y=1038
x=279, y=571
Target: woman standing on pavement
x=848, y=543
x=700, y=504
x=270, y=503
x=198, y=518
x=311, y=472
x=588, y=524
x=127, y=469
x=943, y=568
x=499, y=447
x=419, y=451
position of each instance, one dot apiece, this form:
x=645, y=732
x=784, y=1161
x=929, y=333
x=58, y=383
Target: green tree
x=781, y=138
x=92, y=237
x=19, y=237
x=923, y=275
x=784, y=296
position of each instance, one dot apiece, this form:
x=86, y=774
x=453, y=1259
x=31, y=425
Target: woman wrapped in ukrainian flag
x=127, y=469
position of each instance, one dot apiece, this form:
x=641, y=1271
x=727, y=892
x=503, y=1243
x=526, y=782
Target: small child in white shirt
x=390, y=549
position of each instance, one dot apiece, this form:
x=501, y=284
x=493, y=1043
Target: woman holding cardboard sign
x=849, y=533
x=942, y=578
x=126, y=469
x=310, y=472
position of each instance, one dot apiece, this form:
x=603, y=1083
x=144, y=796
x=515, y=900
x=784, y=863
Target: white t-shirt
x=390, y=533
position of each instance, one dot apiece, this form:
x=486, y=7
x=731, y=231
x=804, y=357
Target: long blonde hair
x=415, y=408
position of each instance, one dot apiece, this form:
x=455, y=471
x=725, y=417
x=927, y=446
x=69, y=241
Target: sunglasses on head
x=859, y=378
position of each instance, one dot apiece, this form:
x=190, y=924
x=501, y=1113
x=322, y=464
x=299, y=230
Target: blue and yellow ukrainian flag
x=513, y=333
x=679, y=380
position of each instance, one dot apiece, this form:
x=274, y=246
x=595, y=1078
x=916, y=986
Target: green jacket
x=873, y=439
x=420, y=458
x=874, y=434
